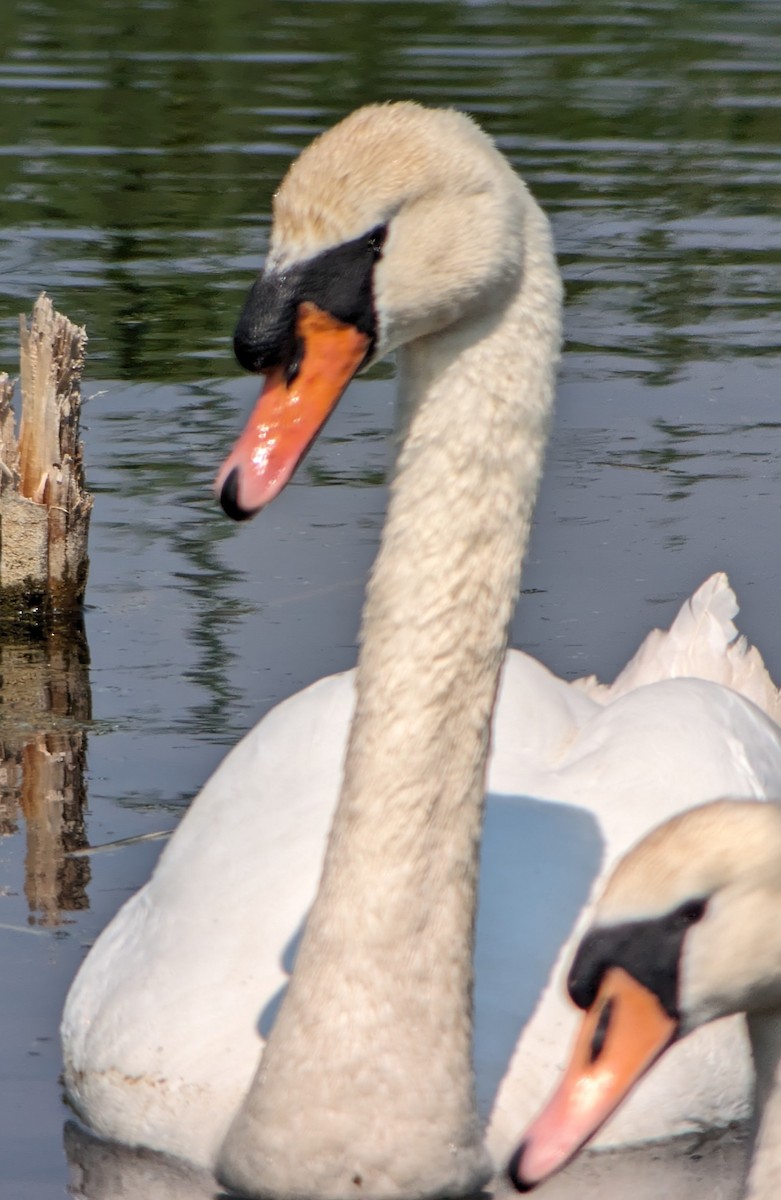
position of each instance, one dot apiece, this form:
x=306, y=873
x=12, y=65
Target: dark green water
x=140, y=144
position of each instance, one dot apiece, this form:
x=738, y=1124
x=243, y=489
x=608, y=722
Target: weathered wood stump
x=44, y=660
x=44, y=505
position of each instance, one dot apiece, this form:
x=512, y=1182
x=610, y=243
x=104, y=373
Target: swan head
x=396, y=224
x=687, y=931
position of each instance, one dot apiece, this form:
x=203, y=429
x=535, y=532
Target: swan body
x=165, y=1022
x=686, y=932
x=358, y=803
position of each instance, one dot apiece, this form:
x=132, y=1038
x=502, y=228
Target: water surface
x=141, y=143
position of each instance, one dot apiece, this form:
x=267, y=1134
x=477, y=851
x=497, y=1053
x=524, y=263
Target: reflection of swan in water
x=408, y=226
x=687, y=931
x=99, y=1170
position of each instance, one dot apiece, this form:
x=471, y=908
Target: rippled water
x=141, y=143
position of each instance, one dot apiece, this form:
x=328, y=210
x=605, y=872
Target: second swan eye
x=689, y=913
x=376, y=239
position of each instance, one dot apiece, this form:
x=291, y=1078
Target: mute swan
x=404, y=228
x=687, y=931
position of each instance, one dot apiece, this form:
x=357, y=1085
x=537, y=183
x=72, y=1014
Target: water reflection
x=46, y=706
x=141, y=160
x=141, y=146
x=103, y=1171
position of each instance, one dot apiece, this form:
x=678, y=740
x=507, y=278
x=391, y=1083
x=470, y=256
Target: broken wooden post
x=44, y=505
x=44, y=660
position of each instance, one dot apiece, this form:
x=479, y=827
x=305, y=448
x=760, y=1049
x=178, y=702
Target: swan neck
x=372, y=1045
x=764, y=1181
x=476, y=400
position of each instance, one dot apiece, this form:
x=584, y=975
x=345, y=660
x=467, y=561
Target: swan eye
x=649, y=950
x=689, y=913
x=376, y=239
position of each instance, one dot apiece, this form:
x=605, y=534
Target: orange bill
x=623, y=1033
x=288, y=417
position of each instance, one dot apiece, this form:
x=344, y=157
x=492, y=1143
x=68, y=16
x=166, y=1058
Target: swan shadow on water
x=539, y=861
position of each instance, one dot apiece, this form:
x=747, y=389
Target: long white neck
x=370, y=1055
x=764, y=1181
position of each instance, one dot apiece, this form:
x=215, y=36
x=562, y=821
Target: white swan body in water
x=404, y=229
x=687, y=931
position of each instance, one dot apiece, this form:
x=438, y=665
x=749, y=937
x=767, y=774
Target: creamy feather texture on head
x=698, y=853
x=453, y=206
x=413, y=167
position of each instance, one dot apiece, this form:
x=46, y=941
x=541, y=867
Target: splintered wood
x=44, y=505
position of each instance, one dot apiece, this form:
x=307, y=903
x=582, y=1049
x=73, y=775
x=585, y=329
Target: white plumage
x=165, y=1022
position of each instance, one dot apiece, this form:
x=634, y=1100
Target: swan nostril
x=294, y=362
x=600, y=1033
x=229, y=498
